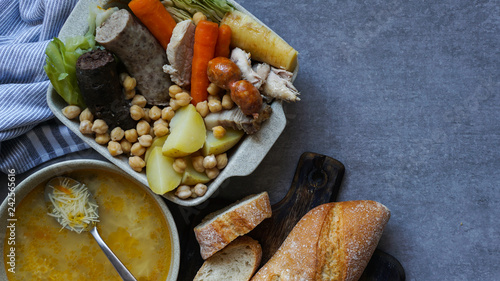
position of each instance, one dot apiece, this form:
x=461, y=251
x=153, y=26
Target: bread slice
x=238, y=261
x=218, y=229
x=333, y=241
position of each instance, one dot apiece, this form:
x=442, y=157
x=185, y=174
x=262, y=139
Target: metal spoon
x=58, y=192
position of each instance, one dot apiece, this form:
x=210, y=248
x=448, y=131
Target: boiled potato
x=191, y=176
x=160, y=173
x=216, y=146
x=158, y=141
x=187, y=133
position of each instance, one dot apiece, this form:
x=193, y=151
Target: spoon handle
x=122, y=270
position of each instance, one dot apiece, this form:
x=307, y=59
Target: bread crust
x=333, y=241
x=296, y=258
x=220, y=228
x=243, y=241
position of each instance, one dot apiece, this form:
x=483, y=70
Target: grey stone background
x=406, y=95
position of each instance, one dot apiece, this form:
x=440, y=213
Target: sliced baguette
x=218, y=229
x=333, y=241
x=238, y=261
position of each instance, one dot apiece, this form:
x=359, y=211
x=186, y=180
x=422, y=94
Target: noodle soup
x=131, y=223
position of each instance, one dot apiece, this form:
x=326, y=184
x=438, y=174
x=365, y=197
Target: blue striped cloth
x=28, y=133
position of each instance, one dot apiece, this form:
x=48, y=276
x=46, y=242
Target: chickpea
x=202, y=108
x=100, y=126
x=214, y=106
x=86, y=115
x=114, y=148
x=221, y=161
x=145, y=140
x=183, y=192
x=86, y=127
x=102, y=138
x=71, y=111
x=183, y=98
x=211, y=98
x=130, y=94
x=126, y=145
x=198, y=163
x=146, y=115
x=131, y=135
x=155, y=113
x=136, y=163
x=174, y=90
x=167, y=113
x=129, y=83
x=136, y=112
x=227, y=102
x=200, y=189
x=143, y=127
x=213, y=89
x=219, y=132
x=123, y=76
x=139, y=100
x=179, y=165
x=137, y=149
x=212, y=173
x=160, y=121
x=209, y=161
x=160, y=130
x=198, y=16
x=117, y=134
x=173, y=104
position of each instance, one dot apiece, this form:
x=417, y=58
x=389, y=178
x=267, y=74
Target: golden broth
x=131, y=224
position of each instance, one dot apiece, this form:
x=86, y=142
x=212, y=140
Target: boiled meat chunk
x=279, y=85
x=180, y=53
x=242, y=60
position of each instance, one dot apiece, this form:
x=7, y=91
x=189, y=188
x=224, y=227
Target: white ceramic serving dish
x=27, y=185
x=242, y=161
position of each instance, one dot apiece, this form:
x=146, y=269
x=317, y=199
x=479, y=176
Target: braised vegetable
x=60, y=66
x=205, y=39
x=216, y=146
x=160, y=173
x=187, y=133
x=213, y=9
x=260, y=41
x=223, y=41
x=154, y=16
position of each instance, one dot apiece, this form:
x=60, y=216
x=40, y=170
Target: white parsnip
x=260, y=41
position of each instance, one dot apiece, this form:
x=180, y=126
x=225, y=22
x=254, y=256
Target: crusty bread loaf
x=333, y=241
x=218, y=229
x=238, y=261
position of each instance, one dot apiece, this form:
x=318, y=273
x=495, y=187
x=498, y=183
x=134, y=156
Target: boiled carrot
x=155, y=17
x=205, y=39
x=223, y=41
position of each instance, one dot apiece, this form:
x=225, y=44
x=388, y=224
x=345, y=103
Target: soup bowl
x=102, y=179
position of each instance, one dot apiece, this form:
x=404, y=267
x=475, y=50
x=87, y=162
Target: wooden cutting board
x=317, y=181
